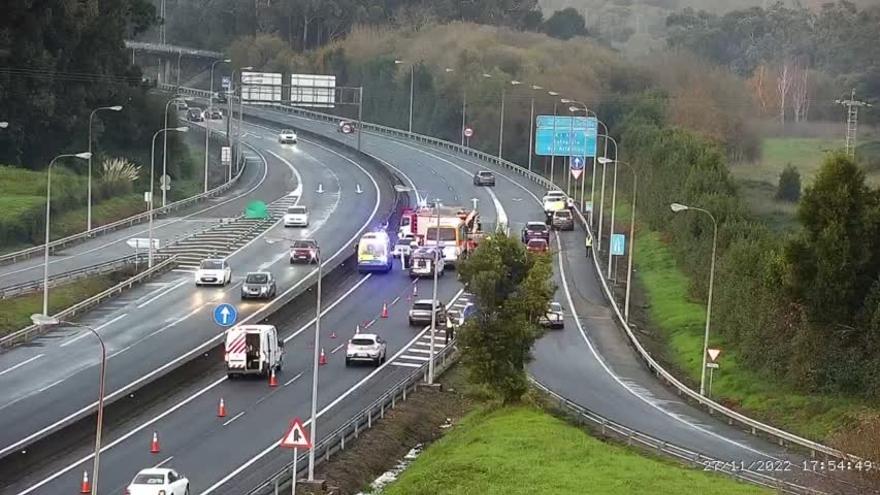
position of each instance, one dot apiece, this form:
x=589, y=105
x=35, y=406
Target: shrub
x=789, y=188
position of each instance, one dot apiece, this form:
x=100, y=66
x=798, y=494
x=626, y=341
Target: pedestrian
x=589, y=244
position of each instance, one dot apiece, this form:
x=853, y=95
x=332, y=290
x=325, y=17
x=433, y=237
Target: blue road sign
x=225, y=315
x=578, y=162
x=618, y=244
x=227, y=83
x=566, y=143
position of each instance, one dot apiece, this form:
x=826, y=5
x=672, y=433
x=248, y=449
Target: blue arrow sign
x=225, y=315
x=618, y=244
x=577, y=162
x=227, y=83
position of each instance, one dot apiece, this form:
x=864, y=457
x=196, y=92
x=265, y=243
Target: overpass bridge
x=162, y=62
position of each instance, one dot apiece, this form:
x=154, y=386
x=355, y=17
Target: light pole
x=208, y=120
x=45, y=319
x=602, y=190
x=587, y=112
x=152, y=183
x=174, y=99
x=632, y=241
x=114, y=108
x=463, y=108
x=553, y=145
x=240, y=116
x=412, y=80
x=437, y=249
x=179, y=54
x=315, y=370
x=677, y=207
x=532, y=125
x=81, y=156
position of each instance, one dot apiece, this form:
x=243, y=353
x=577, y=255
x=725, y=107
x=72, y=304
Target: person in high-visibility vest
x=589, y=245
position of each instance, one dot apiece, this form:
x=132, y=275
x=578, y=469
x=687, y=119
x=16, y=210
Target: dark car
x=258, y=285
x=221, y=97
x=195, y=115
x=535, y=230
x=304, y=251
x=484, y=178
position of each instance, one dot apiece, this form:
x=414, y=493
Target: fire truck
x=452, y=228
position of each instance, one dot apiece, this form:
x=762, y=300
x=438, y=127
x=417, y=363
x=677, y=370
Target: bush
x=789, y=188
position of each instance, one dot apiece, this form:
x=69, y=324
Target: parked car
x=213, y=272
x=304, y=251
x=562, y=220
x=484, y=178
x=554, y=317
x=535, y=230
x=366, y=347
x=287, y=136
x=258, y=285
x=420, y=312
x=346, y=127
x=423, y=262
x=221, y=97
x=214, y=114
x=296, y=216
x=158, y=481
x=181, y=105
x=537, y=246
x=195, y=115
x=253, y=350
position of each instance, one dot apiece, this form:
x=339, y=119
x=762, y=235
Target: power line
x=852, y=121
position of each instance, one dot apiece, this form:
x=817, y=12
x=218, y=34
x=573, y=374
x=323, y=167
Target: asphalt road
x=150, y=327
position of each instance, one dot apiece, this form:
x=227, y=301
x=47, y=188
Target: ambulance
x=374, y=252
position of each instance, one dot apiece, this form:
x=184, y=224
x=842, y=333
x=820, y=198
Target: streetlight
x=553, y=151
x=587, y=112
x=437, y=249
x=114, y=108
x=174, y=99
x=632, y=230
x=240, y=116
x=412, y=79
x=179, y=54
x=46, y=320
x=81, y=156
x=677, y=207
x=532, y=125
x=463, y=107
x=315, y=370
x=152, y=183
x=602, y=191
x=207, y=121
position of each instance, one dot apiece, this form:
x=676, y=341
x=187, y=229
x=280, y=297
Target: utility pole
x=852, y=121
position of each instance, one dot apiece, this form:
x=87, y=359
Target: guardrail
x=78, y=273
x=125, y=222
x=27, y=333
x=171, y=49
x=753, y=426
x=364, y=420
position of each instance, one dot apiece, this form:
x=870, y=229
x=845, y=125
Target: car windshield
x=446, y=234
x=537, y=228
x=425, y=306
x=362, y=341
x=485, y=174
x=404, y=242
x=563, y=214
x=149, y=479
x=302, y=245
x=257, y=278
x=298, y=210
x=287, y=131
x=555, y=307
x=211, y=265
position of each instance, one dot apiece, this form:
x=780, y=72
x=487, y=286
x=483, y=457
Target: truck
x=253, y=350
x=446, y=227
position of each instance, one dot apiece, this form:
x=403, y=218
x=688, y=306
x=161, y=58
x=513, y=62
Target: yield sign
x=713, y=354
x=296, y=437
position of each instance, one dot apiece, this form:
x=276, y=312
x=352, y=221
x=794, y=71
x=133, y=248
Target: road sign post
x=577, y=166
x=295, y=439
x=712, y=365
x=225, y=315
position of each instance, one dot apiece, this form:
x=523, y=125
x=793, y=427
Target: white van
x=253, y=350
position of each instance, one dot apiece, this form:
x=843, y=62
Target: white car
x=365, y=347
x=287, y=136
x=554, y=318
x=158, y=481
x=213, y=272
x=296, y=216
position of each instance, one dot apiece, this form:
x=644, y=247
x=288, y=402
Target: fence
x=71, y=275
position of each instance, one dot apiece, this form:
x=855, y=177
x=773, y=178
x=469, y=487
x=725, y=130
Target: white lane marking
x=317, y=223
x=323, y=411
x=98, y=328
x=159, y=286
x=206, y=344
x=160, y=294
x=336, y=349
x=166, y=461
x=297, y=377
x=47, y=387
x=408, y=365
x=234, y=418
x=19, y=365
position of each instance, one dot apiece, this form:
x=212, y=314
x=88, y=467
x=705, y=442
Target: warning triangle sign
x=576, y=173
x=713, y=354
x=296, y=437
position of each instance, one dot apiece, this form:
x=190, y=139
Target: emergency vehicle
x=374, y=252
x=448, y=227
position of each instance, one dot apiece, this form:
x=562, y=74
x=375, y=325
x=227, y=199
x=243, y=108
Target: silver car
x=563, y=220
x=554, y=317
x=420, y=313
x=366, y=347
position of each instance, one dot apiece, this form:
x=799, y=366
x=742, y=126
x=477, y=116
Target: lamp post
x=315, y=369
x=179, y=55
x=229, y=108
x=463, y=108
x=412, y=80
x=437, y=249
x=613, y=206
x=174, y=99
x=532, y=125
x=632, y=241
x=152, y=184
x=207, y=121
x=677, y=207
x=602, y=190
x=45, y=319
x=553, y=141
x=114, y=108
x=81, y=156
x=587, y=112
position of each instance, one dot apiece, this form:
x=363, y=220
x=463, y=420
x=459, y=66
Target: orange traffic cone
x=154, y=445
x=85, y=487
x=273, y=382
x=332, y=335
x=323, y=359
x=384, y=310
x=221, y=409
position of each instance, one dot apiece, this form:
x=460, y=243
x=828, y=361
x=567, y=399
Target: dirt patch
x=417, y=420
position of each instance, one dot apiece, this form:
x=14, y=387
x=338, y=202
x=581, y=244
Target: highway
x=52, y=380
x=589, y=361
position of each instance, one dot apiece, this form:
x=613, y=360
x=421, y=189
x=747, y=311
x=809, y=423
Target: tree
x=789, y=188
x=565, y=24
x=512, y=288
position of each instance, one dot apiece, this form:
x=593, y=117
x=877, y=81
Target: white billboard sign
x=312, y=90
x=261, y=87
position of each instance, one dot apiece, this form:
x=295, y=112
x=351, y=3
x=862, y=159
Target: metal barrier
x=27, y=333
x=59, y=278
x=125, y=222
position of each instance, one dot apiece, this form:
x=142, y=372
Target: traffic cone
x=323, y=359
x=273, y=382
x=385, y=310
x=85, y=487
x=221, y=409
x=154, y=445
x=332, y=335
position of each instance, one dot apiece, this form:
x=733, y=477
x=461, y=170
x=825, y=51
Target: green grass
x=522, y=450
x=681, y=321
x=15, y=312
x=105, y=212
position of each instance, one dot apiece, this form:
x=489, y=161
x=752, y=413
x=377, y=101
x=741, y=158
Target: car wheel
x=411, y=323
x=347, y=362
x=230, y=376
x=186, y=492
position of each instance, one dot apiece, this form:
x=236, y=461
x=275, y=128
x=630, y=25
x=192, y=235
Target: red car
x=537, y=245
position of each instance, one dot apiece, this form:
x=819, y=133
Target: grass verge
x=680, y=323
x=515, y=450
